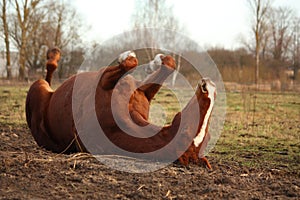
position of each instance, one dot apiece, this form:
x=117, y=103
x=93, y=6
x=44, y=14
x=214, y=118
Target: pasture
x=256, y=157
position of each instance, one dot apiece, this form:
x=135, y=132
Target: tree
x=155, y=14
x=23, y=26
x=59, y=27
x=40, y=25
x=6, y=37
x=158, y=14
x=65, y=23
x=259, y=10
x=281, y=31
x=295, y=46
x=36, y=46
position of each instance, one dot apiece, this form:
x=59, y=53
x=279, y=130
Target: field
x=256, y=157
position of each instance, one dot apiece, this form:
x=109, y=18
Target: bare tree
x=281, y=31
x=36, y=49
x=155, y=14
x=265, y=43
x=40, y=25
x=259, y=10
x=6, y=37
x=65, y=24
x=295, y=46
x=24, y=11
x=158, y=14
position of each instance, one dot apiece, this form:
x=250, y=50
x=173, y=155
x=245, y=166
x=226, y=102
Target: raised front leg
x=112, y=74
x=154, y=82
x=37, y=102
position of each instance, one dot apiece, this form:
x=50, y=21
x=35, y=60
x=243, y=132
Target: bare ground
x=30, y=172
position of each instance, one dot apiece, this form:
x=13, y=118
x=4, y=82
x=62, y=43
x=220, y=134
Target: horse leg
x=112, y=74
x=154, y=82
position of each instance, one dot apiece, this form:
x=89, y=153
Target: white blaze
x=211, y=95
x=125, y=55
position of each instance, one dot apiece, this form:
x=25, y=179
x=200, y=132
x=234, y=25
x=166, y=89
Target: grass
x=265, y=136
x=12, y=110
x=271, y=140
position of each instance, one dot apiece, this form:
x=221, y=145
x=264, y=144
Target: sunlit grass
x=267, y=134
x=163, y=108
x=264, y=134
x=12, y=109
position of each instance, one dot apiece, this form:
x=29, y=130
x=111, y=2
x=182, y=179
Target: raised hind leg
x=112, y=74
x=146, y=90
x=153, y=83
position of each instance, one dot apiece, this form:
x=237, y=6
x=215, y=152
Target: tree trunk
x=296, y=68
x=22, y=62
x=6, y=40
x=256, y=66
x=175, y=73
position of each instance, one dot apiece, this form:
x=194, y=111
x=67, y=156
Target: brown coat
x=50, y=114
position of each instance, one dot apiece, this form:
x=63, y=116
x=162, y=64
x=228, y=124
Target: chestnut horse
x=50, y=118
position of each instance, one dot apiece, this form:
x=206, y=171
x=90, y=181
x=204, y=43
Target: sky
x=208, y=22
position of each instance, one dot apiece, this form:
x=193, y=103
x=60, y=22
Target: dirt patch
x=30, y=172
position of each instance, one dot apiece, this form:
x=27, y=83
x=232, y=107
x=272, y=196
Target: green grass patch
x=12, y=110
x=263, y=132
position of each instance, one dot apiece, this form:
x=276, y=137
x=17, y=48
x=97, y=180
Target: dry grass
x=266, y=135
x=12, y=110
